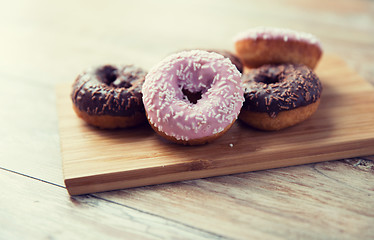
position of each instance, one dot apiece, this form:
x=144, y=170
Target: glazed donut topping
x=193, y=94
x=277, y=33
x=276, y=88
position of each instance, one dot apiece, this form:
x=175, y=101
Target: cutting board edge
x=354, y=145
x=75, y=186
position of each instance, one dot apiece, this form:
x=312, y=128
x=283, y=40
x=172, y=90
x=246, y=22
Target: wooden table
x=44, y=43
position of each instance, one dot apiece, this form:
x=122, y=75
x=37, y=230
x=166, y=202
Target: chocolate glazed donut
x=110, y=96
x=279, y=96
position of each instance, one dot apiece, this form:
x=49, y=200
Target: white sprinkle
x=151, y=107
x=180, y=125
x=232, y=80
x=178, y=114
x=212, y=67
x=189, y=76
x=220, y=84
x=285, y=38
x=217, y=77
x=199, y=118
x=231, y=145
x=171, y=109
x=152, y=94
x=151, y=120
x=197, y=65
x=164, y=119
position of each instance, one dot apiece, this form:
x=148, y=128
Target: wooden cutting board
x=100, y=160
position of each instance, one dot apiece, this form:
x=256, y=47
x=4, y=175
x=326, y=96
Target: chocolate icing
x=276, y=88
x=109, y=90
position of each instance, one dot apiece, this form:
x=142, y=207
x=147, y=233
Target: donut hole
x=268, y=79
x=118, y=83
x=107, y=74
x=193, y=97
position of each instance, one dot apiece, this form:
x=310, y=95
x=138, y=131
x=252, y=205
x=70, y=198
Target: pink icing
x=171, y=112
x=277, y=33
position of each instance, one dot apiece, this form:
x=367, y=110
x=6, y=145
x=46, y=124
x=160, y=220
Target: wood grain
x=96, y=160
x=313, y=201
x=62, y=217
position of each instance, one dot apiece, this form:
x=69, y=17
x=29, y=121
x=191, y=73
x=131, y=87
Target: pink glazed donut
x=193, y=97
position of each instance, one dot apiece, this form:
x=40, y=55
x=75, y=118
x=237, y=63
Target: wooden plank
x=327, y=200
x=97, y=160
x=29, y=137
x=82, y=217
